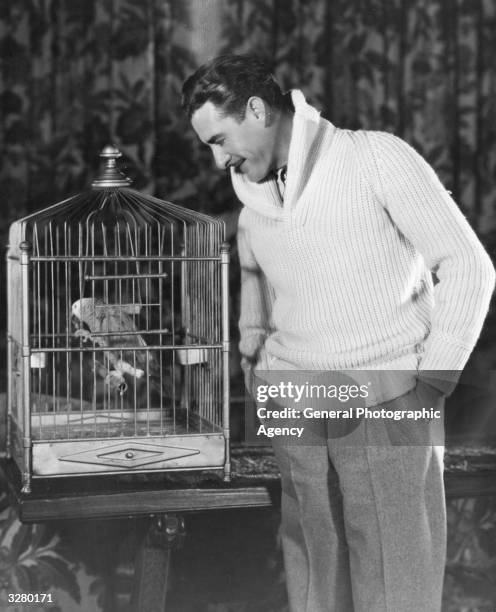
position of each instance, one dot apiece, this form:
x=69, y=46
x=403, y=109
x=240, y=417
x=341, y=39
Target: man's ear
x=257, y=109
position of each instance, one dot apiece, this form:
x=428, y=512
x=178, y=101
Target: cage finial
x=111, y=176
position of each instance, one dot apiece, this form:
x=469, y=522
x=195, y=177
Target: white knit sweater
x=338, y=275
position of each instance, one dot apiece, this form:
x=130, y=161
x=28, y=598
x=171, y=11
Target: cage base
x=126, y=455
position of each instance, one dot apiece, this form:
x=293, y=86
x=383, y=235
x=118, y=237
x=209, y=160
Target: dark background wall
x=78, y=74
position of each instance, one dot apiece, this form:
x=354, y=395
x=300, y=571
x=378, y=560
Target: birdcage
x=118, y=336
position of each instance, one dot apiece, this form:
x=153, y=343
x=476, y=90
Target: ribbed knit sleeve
x=256, y=297
x=426, y=215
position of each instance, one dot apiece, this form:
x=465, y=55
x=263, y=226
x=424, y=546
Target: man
x=338, y=238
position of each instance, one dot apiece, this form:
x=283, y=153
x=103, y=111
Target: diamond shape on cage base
x=100, y=456
x=129, y=456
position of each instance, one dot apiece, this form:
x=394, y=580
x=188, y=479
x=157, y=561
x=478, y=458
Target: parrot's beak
x=76, y=322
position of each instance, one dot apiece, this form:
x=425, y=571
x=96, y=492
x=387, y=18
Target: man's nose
x=221, y=158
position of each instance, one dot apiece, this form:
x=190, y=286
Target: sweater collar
x=264, y=197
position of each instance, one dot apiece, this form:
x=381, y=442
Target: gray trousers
x=364, y=521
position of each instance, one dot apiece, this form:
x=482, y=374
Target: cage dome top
x=110, y=175
x=111, y=202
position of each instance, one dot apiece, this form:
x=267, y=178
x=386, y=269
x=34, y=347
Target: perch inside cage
x=117, y=335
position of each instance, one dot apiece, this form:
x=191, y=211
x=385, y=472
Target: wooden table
x=470, y=472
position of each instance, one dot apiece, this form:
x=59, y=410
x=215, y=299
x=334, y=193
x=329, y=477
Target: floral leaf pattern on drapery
x=470, y=569
x=76, y=74
x=32, y=561
x=419, y=68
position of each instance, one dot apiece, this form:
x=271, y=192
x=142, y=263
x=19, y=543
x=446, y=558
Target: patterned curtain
x=423, y=69
x=76, y=74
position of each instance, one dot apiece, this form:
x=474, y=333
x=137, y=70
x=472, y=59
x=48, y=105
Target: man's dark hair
x=228, y=81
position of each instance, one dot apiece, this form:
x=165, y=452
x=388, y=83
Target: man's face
x=247, y=146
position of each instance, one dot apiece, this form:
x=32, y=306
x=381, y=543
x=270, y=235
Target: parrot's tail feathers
x=126, y=368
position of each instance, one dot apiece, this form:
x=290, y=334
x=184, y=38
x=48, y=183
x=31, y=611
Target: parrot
x=100, y=317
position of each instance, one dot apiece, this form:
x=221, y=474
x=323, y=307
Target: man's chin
x=252, y=175
x=265, y=177
x=257, y=177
